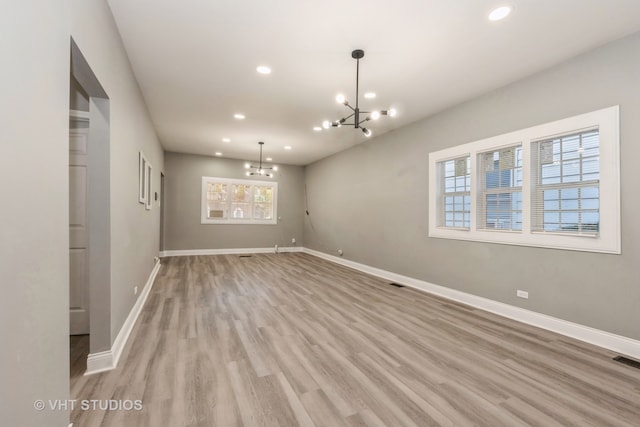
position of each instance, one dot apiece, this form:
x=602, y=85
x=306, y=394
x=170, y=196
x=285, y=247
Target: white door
x=78, y=228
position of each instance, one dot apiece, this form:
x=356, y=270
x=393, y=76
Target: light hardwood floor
x=290, y=339
x=79, y=350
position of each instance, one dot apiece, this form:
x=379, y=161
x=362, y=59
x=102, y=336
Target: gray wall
x=183, y=180
x=34, y=238
x=34, y=244
x=371, y=201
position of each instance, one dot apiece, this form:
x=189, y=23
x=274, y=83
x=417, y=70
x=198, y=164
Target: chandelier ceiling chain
x=356, y=113
x=260, y=170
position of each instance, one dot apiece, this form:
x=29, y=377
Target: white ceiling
x=195, y=61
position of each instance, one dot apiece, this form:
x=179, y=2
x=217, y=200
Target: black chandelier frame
x=356, y=114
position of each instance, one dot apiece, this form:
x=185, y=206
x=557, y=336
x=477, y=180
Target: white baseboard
x=99, y=362
x=613, y=342
x=107, y=360
x=231, y=251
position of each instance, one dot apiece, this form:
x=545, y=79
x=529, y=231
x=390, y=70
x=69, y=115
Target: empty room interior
x=288, y=213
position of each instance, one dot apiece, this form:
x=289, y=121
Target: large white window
x=553, y=185
x=227, y=201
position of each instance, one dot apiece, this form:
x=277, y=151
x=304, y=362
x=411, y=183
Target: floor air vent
x=627, y=361
x=397, y=285
x=245, y=256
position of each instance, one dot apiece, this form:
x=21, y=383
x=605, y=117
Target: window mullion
x=527, y=185
x=251, y=199
x=473, y=207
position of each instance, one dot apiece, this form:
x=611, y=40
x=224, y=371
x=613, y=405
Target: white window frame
x=608, y=238
x=204, y=217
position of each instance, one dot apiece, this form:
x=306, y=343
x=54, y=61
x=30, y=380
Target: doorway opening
x=89, y=215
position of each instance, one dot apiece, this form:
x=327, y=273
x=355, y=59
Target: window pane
x=217, y=200
x=450, y=185
x=241, y=201
x=569, y=204
x=591, y=166
x=551, y=173
x=241, y=193
x=455, y=202
x=569, y=193
x=263, y=194
x=590, y=192
x=263, y=211
x=590, y=204
x=263, y=202
x=500, y=195
x=591, y=221
x=562, y=201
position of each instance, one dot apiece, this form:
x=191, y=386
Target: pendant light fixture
x=358, y=116
x=260, y=170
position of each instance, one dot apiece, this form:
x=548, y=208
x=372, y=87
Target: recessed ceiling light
x=269, y=159
x=499, y=13
x=226, y=140
x=263, y=69
x=370, y=95
x=218, y=153
x=239, y=116
x=317, y=128
x=287, y=147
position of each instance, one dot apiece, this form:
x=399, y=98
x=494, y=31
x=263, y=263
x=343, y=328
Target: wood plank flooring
x=79, y=350
x=290, y=339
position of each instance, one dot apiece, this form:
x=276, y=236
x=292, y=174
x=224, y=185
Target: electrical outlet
x=522, y=294
x=135, y=290
x=293, y=240
x=340, y=252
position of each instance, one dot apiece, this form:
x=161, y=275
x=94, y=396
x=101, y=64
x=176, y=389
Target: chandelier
x=358, y=116
x=260, y=169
